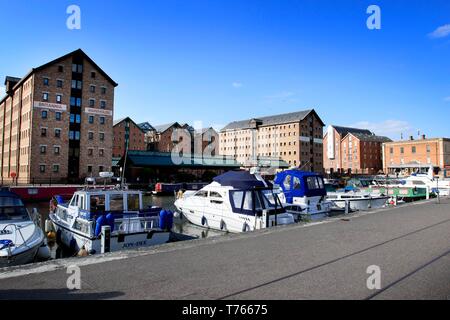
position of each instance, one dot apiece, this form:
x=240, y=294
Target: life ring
x=222, y=225
x=203, y=221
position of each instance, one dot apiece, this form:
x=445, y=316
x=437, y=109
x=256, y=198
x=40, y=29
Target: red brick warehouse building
x=352, y=150
x=127, y=134
x=56, y=122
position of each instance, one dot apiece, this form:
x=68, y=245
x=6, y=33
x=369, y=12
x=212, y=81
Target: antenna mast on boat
x=124, y=164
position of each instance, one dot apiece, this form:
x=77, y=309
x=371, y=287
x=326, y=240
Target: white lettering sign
x=51, y=106
x=100, y=112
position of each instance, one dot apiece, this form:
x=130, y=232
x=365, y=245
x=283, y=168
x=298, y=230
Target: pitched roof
x=271, y=120
x=145, y=126
x=343, y=131
x=371, y=137
x=163, y=127
x=116, y=122
x=78, y=51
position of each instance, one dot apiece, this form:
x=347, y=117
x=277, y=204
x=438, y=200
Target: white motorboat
x=428, y=180
x=305, y=190
x=237, y=201
x=20, y=236
x=357, y=200
x=78, y=224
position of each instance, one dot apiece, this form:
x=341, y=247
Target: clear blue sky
x=217, y=61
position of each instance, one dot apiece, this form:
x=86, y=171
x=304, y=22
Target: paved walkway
x=410, y=244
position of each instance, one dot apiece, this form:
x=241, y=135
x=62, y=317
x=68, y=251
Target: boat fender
x=169, y=220
x=245, y=227
x=204, y=221
x=100, y=222
x=51, y=236
x=162, y=219
x=110, y=221
x=222, y=224
x=58, y=236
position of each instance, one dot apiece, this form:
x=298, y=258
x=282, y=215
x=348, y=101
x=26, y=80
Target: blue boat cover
x=242, y=180
x=296, y=183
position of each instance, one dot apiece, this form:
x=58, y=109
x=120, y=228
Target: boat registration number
x=135, y=244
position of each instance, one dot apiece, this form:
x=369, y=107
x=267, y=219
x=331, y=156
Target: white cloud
x=390, y=128
x=2, y=91
x=237, y=84
x=441, y=32
x=283, y=96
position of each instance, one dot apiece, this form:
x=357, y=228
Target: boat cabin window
x=13, y=213
x=202, y=193
x=98, y=203
x=116, y=202
x=214, y=194
x=74, y=201
x=287, y=183
x=133, y=202
x=251, y=202
x=297, y=183
x=81, y=202
x=314, y=183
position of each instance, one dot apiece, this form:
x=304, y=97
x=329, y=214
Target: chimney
x=10, y=82
x=411, y=138
x=424, y=137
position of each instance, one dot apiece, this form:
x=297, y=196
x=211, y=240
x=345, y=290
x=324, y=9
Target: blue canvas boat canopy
x=296, y=183
x=242, y=180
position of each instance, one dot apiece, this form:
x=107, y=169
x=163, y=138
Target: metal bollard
x=106, y=239
x=347, y=206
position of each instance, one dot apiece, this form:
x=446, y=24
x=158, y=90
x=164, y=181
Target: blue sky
x=217, y=61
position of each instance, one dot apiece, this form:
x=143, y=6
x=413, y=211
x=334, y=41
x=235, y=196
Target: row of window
x=74, y=118
x=74, y=102
x=413, y=149
x=55, y=168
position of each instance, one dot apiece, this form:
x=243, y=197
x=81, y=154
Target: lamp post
x=437, y=189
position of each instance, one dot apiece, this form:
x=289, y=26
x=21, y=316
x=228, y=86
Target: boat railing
x=14, y=244
x=136, y=224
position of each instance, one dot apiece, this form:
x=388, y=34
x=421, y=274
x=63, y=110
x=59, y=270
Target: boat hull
x=76, y=241
x=234, y=223
x=24, y=257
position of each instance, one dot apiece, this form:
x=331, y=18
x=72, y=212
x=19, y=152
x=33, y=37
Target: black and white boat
x=78, y=223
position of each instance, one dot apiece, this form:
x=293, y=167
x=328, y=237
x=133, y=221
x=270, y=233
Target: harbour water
x=181, y=226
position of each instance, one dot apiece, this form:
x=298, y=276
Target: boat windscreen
x=13, y=213
x=10, y=202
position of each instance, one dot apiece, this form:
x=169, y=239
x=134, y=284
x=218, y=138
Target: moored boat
x=304, y=189
x=237, y=201
x=78, y=223
x=20, y=236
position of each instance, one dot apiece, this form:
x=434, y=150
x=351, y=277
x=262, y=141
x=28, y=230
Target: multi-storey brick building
x=409, y=156
x=352, y=150
x=127, y=134
x=56, y=122
x=206, y=142
x=293, y=137
x=167, y=137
